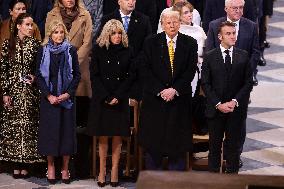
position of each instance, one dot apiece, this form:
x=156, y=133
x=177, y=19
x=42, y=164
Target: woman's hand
x=114, y=101
x=7, y=101
x=63, y=97
x=30, y=80
x=53, y=99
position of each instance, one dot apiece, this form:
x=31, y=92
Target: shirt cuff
x=177, y=94
x=235, y=100
x=216, y=106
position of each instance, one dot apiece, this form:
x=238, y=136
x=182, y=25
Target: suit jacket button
x=108, y=61
x=107, y=78
x=118, y=62
x=117, y=78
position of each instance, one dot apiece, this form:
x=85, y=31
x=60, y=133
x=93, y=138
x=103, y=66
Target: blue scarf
x=66, y=77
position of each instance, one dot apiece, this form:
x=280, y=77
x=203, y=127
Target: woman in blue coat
x=58, y=76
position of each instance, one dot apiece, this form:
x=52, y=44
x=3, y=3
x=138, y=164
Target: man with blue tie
x=169, y=65
x=227, y=82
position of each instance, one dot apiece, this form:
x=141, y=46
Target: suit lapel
x=165, y=59
x=117, y=16
x=234, y=62
x=220, y=61
x=132, y=24
x=241, y=26
x=178, y=54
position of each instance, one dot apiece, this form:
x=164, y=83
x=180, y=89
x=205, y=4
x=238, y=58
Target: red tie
x=169, y=3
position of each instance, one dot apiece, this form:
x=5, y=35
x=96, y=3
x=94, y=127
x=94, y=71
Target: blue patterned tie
x=125, y=23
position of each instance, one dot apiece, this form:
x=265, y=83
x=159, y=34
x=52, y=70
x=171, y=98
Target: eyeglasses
x=237, y=8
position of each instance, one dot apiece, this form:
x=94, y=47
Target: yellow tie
x=171, y=54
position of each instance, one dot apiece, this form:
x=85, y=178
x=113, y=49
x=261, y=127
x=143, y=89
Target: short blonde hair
x=51, y=28
x=169, y=13
x=110, y=27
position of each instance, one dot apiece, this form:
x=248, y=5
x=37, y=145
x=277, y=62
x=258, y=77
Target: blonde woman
x=78, y=23
x=111, y=77
x=58, y=76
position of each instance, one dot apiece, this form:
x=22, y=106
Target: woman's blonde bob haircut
x=109, y=28
x=51, y=28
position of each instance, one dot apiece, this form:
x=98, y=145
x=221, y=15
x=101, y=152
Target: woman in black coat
x=58, y=76
x=111, y=77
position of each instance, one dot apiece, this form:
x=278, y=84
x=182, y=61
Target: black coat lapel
x=178, y=54
x=165, y=59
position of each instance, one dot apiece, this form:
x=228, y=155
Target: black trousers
x=232, y=126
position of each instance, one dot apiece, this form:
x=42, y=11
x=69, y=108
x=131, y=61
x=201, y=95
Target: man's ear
x=219, y=36
x=10, y=11
x=226, y=9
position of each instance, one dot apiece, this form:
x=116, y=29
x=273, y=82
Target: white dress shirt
x=224, y=54
x=123, y=15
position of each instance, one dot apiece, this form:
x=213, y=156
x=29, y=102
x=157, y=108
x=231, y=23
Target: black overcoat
x=139, y=28
x=57, y=134
x=165, y=127
x=111, y=77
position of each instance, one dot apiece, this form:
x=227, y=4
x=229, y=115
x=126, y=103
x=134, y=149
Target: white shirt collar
x=174, y=39
x=236, y=22
x=123, y=15
x=223, y=49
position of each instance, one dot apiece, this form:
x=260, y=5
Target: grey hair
x=169, y=13
x=227, y=2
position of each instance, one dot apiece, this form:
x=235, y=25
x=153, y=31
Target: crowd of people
x=74, y=65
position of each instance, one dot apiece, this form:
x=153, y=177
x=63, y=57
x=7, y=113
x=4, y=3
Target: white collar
x=223, y=49
x=174, y=39
x=123, y=15
x=236, y=22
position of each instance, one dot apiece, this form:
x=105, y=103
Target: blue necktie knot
x=125, y=22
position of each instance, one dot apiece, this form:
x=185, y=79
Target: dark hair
x=225, y=23
x=14, y=2
x=13, y=35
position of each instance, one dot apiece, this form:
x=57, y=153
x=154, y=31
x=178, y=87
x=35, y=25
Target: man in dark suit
x=247, y=39
x=170, y=60
x=138, y=27
x=215, y=9
x=247, y=33
x=227, y=83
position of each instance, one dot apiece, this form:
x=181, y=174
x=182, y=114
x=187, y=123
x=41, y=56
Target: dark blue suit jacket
x=247, y=38
x=215, y=9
